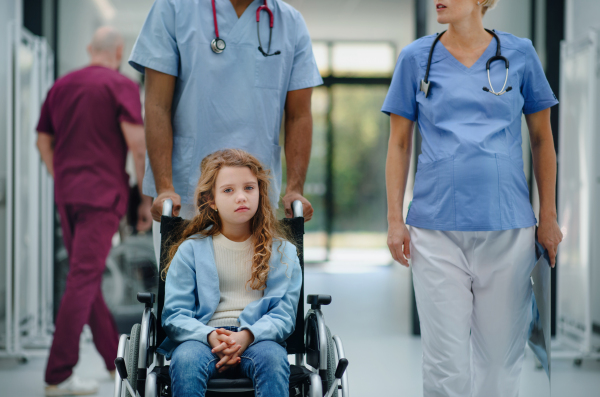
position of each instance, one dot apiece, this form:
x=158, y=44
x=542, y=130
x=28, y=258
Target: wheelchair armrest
x=316, y=301
x=146, y=298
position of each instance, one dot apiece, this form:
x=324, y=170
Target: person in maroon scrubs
x=90, y=118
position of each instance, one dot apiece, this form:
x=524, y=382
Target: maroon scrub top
x=83, y=110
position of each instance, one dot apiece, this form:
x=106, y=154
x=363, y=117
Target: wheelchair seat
x=214, y=385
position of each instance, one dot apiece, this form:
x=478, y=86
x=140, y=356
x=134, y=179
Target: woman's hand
x=549, y=236
x=399, y=242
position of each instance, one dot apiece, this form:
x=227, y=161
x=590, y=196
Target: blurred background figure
x=89, y=119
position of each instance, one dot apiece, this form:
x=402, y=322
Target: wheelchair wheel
x=132, y=358
x=331, y=362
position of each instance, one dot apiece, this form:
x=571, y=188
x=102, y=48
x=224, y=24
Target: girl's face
x=236, y=195
x=453, y=11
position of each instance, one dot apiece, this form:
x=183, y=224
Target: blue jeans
x=265, y=363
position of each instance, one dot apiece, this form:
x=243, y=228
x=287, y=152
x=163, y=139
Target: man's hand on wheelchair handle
x=157, y=204
x=292, y=196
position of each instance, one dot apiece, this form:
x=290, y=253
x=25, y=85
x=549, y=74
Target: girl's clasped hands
x=229, y=346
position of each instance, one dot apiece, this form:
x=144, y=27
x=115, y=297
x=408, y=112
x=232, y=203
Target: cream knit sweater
x=234, y=263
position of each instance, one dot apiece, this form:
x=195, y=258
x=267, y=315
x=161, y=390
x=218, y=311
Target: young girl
x=232, y=284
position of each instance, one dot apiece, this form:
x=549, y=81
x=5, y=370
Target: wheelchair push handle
x=297, y=209
x=167, y=208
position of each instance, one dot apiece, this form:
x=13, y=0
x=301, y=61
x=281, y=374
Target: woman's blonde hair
x=488, y=5
x=264, y=225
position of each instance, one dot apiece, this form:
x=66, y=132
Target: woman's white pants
x=473, y=294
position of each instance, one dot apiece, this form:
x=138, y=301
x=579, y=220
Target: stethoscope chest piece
x=218, y=45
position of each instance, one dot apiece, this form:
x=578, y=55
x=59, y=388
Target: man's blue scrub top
x=230, y=100
x=470, y=173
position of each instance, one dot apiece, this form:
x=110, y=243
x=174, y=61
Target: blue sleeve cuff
x=387, y=110
x=539, y=106
x=305, y=84
x=160, y=65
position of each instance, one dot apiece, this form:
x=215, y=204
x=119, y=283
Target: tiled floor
x=370, y=312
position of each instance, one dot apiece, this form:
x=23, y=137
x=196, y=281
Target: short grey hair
x=106, y=39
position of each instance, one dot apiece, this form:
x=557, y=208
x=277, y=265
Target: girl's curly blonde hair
x=264, y=225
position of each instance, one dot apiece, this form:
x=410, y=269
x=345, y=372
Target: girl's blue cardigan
x=192, y=295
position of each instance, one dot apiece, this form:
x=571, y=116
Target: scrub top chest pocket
x=269, y=70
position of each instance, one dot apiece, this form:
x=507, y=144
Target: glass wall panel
x=321, y=52
x=359, y=151
x=363, y=59
x=315, y=186
x=24, y=139
x=345, y=182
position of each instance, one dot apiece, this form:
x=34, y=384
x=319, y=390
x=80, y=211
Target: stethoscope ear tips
x=265, y=54
x=509, y=89
x=486, y=89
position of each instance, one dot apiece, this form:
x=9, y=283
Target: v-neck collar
x=240, y=23
x=487, y=54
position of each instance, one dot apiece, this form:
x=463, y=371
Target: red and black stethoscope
x=218, y=44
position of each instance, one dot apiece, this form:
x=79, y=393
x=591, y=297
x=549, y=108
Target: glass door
x=346, y=177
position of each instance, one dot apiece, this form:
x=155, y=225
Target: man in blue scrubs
x=199, y=101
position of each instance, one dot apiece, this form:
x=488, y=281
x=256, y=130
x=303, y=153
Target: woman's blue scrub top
x=230, y=100
x=470, y=173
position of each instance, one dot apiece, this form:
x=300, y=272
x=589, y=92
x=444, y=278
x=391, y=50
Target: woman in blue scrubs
x=471, y=236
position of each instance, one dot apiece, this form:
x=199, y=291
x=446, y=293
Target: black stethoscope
x=218, y=44
x=498, y=57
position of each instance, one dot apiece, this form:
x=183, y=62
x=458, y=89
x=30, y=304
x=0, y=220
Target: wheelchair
x=320, y=363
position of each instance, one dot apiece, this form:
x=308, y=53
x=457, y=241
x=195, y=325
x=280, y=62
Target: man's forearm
x=136, y=142
x=298, y=143
x=159, y=130
x=48, y=158
x=139, y=160
x=45, y=145
x=544, y=168
x=159, y=141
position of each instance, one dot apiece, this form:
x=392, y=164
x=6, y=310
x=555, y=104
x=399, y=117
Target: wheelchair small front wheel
x=132, y=358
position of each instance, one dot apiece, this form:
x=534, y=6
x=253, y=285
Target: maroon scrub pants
x=87, y=234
